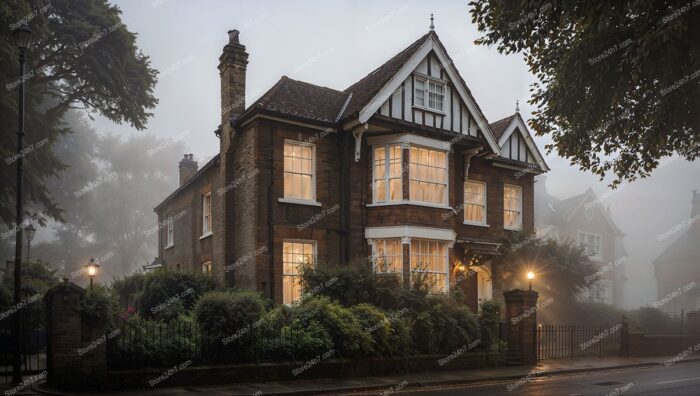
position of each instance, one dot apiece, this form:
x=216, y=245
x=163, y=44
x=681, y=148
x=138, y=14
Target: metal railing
x=572, y=341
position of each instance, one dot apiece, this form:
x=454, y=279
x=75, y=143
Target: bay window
x=388, y=256
x=428, y=175
x=591, y=244
x=299, y=171
x=475, y=202
x=429, y=259
x=295, y=254
x=387, y=173
x=512, y=207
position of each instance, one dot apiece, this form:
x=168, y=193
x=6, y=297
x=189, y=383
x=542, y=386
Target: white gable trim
x=408, y=68
x=518, y=123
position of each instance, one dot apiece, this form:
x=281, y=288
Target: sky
x=334, y=44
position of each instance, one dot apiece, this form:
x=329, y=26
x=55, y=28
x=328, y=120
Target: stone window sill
x=299, y=201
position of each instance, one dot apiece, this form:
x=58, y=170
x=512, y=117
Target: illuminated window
x=207, y=268
x=512, y=207
x=206, y=214
x=475, y=202
x=428, y=175
x=295, y=254
x=429, y=260
x=299, y=171
x=388, y=256
x=387, y=172
x=433, y=90
x=591, y=243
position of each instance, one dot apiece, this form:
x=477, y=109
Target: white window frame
x=519, y=226
x=446, y=288
x=206, y=218
x=426, y=93
x=446, y=197
x=584, y=235
x=169, y=232
x=314, y=246
x=291, y=199
x=483, y=204
x=375, y=255
x=387, y=176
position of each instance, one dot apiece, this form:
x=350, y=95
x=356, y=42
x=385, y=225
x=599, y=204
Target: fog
x=335, y=45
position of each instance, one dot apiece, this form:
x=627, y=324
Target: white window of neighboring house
x=206, y=214
x=428, y=175
x=475, y=202
x=602, y=292
x=207, y=268
x=170, y=232
x=387, y=173
x=388, y=256
x=591, y=243
x=429, y=258
x=512, y=207
x=299, y=171
x=295, y=254
x=432, y=89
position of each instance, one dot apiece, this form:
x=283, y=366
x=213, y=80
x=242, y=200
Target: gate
x=572, y=341
x=33, y=352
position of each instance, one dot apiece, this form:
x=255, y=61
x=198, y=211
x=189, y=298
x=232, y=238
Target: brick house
x=677, y=269
x=583, y=220
x=401, y=167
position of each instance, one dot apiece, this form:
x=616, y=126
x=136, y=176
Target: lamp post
x=23, y=37
x=30, y=235
x=530, y=276
x=92, y=267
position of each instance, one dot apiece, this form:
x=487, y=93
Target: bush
x=299, y=341
x=650, y=320
x=154, y=291
x=390, y=337
x=220, y=314
x=444, y=326
x=99, y=304
x=488, y=323
x=349, y=338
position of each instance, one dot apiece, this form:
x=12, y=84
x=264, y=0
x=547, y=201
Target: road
x=682, y=379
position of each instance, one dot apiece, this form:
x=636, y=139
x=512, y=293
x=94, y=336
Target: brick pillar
x=693, y=326
x=76, y=354
x=521, y=319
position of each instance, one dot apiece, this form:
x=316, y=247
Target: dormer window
x=429, y=93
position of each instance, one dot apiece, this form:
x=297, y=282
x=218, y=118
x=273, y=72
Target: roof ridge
x=504, y=118
x=313, y=85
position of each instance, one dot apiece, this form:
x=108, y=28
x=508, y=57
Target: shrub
x=488, y=323
x=158, y=289
x=375, y=323
x=444, y=326
x=99, y=304
x=222, y=313
x=653, y=321
x=301, y=341
x=349, y=338
x=145, y=343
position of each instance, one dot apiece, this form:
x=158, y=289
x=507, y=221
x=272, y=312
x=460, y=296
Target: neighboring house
x=583, y=220
x=677, y=269
x=401, y=167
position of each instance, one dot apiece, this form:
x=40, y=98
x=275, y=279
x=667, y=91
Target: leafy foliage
x=99, y=304
x=618, y=81
x=488, y=323
x=82, y=56
x=223, y=313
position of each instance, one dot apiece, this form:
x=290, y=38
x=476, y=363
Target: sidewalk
x=383, y=383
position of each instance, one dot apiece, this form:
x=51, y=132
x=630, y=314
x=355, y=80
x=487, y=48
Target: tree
x=619, y=81
x=83, y=57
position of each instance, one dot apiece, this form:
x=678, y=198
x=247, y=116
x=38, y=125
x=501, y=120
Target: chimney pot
x=233, y=36
x=188, y=167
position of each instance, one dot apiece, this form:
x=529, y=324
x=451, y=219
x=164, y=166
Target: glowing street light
x=530, y=276
x=92, y=267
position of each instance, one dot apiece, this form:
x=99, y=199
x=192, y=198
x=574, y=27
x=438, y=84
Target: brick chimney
x=188, y=167
x=232, y=70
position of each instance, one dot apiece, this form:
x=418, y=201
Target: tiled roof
x=301, y=99
x=500, y=126
x=365, y=89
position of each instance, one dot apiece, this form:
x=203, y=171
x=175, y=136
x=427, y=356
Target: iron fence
x=33, y=345
x=572, y=341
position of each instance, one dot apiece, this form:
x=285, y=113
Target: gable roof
x=684, y=248
x=500, y=126
x=365, y=89
x=567, y=208
x=200, y=172
x=301, y=99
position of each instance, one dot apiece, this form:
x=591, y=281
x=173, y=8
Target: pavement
x=412, y=382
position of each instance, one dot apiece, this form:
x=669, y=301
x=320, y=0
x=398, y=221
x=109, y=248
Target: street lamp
x=30, y=235
x=92, y=267
x=23, y=37
x=530, y=276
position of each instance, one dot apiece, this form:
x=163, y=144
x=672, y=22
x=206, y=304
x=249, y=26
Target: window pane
x=428, y=176
x=298, y=171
